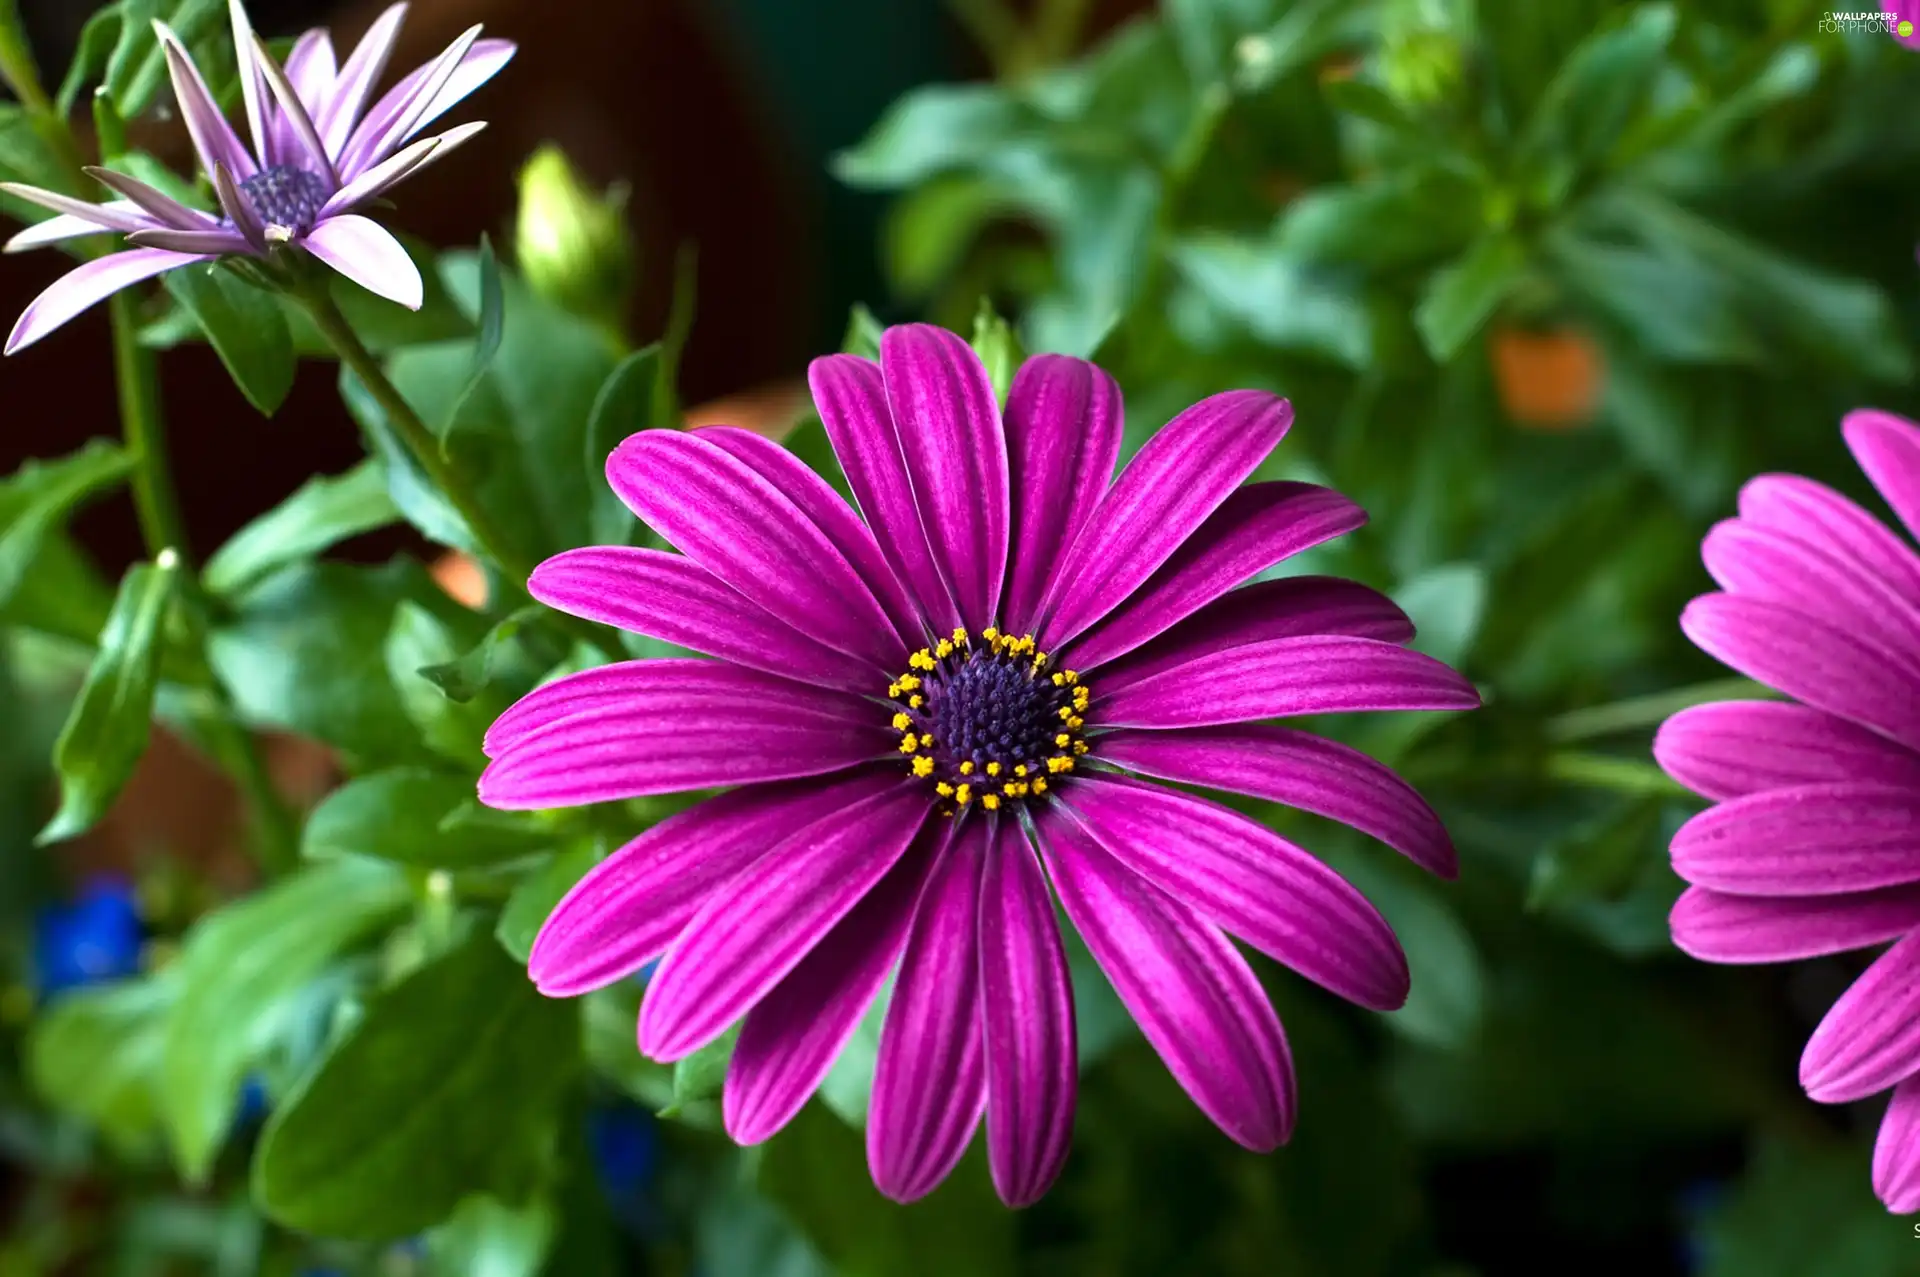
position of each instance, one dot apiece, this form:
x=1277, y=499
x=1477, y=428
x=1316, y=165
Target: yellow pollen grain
x=1072, y=676
x=1066, y=711
x=963, y=795
x=923, y=766
x=1039, y=659
x=921, y=660
x=1039, y=784
x=943, y=789
x=1079, y=747
x=916, y=701
x=893, y=691
x=1019, y=769
x=990, y=801
x=943, y=649
x=1059, y=680
x=959, y=633
x=909, y=743
x=1063, y=740
x=1076, y=723
x=990, y=634
x=993, y=769
x=909, y=682
x=902, y=721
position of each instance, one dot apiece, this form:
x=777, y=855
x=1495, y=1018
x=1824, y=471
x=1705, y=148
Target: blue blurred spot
x=97, y=937
x=626, y=1149
x=1698, y=1203
x=252, y=1106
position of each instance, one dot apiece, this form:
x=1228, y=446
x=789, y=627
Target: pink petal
x=722, y=514
x=1814, y=512
x=1191, y=992
x=747, y=938
x=631, y=905
x=86, y=285
x=1063, y=422
x=1250, y=881
x=1734, y=748
x=1896, y=1154
x=1026, y=1000
x=1169, y=488
x=1775, y=567
x=1716, y=927
x=791, y=1037
x=670, y=597
x=1870, y=1039
x=1812, y=840
x=1279, y=678
x=1299, y=769
x=929, y=1083
x=1888, y=449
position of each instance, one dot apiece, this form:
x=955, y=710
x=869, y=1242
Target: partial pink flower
x=1813, y=846
x=318, y=154
x=945, y=714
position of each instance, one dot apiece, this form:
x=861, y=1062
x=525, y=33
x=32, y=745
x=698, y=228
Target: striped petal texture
x=942, y=716
x=1812, y=846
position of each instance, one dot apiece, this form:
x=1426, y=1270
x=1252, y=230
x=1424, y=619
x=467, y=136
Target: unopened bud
x=571, y=241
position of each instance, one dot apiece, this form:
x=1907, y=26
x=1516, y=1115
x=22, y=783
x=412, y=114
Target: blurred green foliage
x=1545, y=282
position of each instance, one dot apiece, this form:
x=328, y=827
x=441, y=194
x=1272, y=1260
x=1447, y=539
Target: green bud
x=571, y=241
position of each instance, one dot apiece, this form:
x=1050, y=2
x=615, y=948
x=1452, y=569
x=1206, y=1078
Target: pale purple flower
x=1813, y=847
x=318, y=154
x=936, y=722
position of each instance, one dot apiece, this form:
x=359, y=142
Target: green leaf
x=418, y=640
x=325, y=511
x=61, y=593
x=467, y=676
x=863, y=333
x=382, y=326
x=246, y=326
x=1464, y=296
x=607, y=1038
x=95, y=1054
x=1599, y=859
x=1282, y=301
x=1304, y=34
x=238, y=970
x=929, y=131
x=535, y=896
x=697, y=1080
x=304, y=649
x=1446, y=604
x=1593, y=97
x=106, y=732
x=847, y=1088
x=998, y=348
x=623, y=406
x=1391, y=221
x=37, y=498
x=1807, y=1209
x=97, y=41
x=26, y=157
x=486, y=342
x=488, y=1238
x=1449, y=981
x=1671, y=304
x=816, y=1172
x=136, y=67
x=444, y=1088
x=401, y=815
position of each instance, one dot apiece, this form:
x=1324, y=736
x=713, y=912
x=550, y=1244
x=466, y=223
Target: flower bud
x=570, y=241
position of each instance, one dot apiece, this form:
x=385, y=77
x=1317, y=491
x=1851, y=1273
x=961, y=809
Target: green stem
x=424, y=447
x=1622, y=775
x=1642, y=712
x=16, y=62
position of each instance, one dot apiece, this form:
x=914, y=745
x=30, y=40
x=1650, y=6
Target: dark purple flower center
x=988, y=719
x=286, y=196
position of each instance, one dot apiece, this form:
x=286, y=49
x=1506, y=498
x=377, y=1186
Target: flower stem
x=136, y=376
x=1622, y=775
x=17, y=71
x=1641, y=712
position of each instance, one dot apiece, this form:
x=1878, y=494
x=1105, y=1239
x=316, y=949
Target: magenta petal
x=670, y=726
x=1258, y=526
x=1251, y=882
x=1888, y=449
x=1172, y=484
x=368, y=254
x=818, y=501
x=87, y=285
x=630, y=906
x=1734, y=748
x=851, y=395
x=747, y=938
x=1063, y=421
x=1026, y=1000
x=1896, y=1154
x=1299, y=769
x=1292, y=607
x=670, y=597
x=1812, y=840
x=1283, y=677
x=1814, y=512
x=1716, y=927
x=929, y=1083
x=1191, y=992
x=1776, y=567
x=1811, y=661
x=1870, y=1039
x=719, y=512
x=790, y=1038
x=948, y=423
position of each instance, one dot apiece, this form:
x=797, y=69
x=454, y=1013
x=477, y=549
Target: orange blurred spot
x=461, y=578
x=771, y=410
x=1339, y=67
x=1547, y=380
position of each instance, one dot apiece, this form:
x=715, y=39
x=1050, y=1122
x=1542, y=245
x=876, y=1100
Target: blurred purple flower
x=1904, y=11
x=317, y=155
x=97, y=937
x=1813, y=847
x=997, y=561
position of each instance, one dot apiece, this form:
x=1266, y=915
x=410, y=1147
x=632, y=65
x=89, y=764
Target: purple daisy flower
x=1813, y=847
x=1904, y=11
x=936, y=721
x=318, y=154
